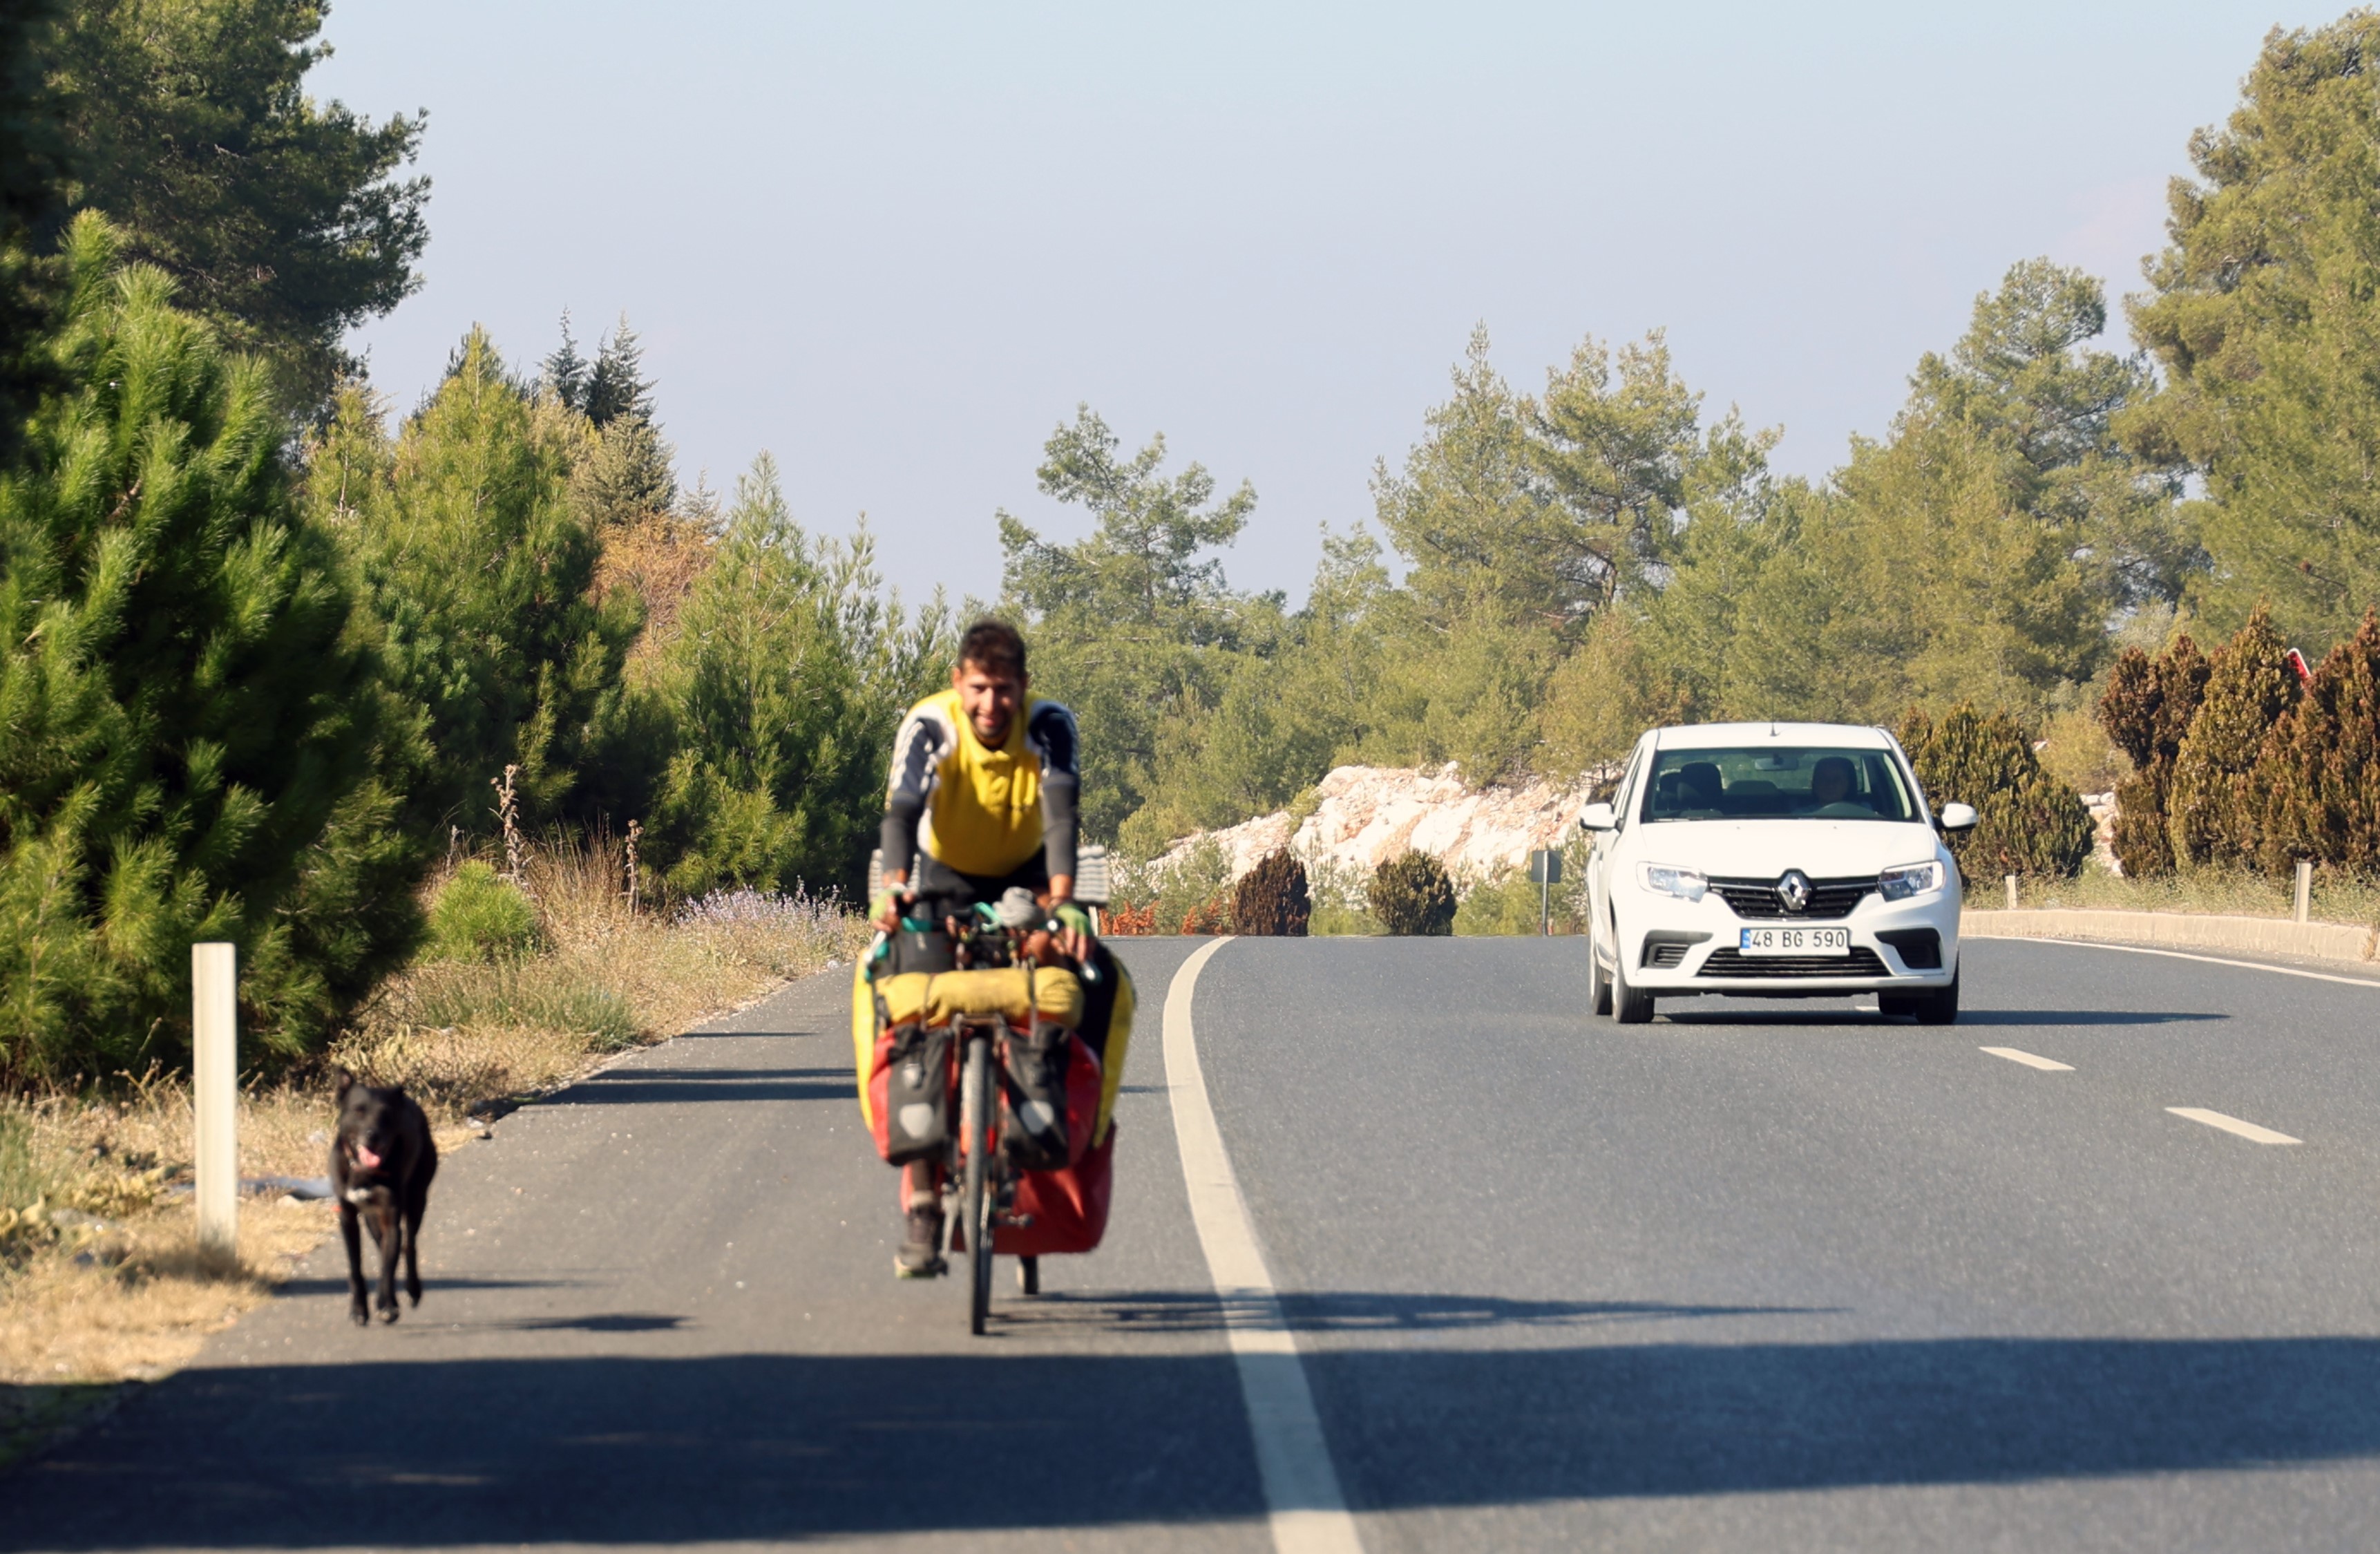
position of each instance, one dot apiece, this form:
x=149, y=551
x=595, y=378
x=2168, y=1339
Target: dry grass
x=2338, y=896
x=101, y=1278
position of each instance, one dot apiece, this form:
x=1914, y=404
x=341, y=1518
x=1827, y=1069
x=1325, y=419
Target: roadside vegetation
x=531, y=984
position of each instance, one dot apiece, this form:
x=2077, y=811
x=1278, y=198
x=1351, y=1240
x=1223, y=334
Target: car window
x=1799, y=783
x=1627, y=794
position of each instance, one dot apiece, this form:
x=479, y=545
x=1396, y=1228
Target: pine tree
x=480, y=569
x=781, y=692
x=2030, y=823
x=616, y=387
x=278, y=213
x=2213, y=812
x=566, y=372
x=198, y=745
x=2261, y=312
x=2319, y=775
x=2146, y=709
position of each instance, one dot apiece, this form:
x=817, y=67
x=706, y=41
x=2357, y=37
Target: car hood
x=1765, y=849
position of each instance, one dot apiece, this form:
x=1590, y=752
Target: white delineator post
x=2012, y=890
x=2305, y=891
x=214, y=1091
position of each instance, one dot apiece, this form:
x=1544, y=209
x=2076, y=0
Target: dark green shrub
x=2031, y=822
x=2147, y=711
x=2213, y=812
x=480, y=915
x=2319, y=777
x=1411, y=896
x=1271, y=899
x=196, y=741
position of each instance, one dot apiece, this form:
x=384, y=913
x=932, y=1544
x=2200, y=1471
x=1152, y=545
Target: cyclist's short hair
x=993, y=645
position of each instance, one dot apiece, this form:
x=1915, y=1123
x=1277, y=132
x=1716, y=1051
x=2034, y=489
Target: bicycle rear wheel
x=975, y=1201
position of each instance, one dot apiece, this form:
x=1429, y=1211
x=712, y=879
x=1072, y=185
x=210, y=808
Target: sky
x=897, y=246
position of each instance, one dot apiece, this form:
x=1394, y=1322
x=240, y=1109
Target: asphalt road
x=1772, y=1277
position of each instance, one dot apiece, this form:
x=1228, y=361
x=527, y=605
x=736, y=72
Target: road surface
x=1761, y=1277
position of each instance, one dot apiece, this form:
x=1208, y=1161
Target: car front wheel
x=1630, y=1006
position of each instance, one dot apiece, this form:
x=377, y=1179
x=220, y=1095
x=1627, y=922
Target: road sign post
x=1545, y=872
x=215, y=1094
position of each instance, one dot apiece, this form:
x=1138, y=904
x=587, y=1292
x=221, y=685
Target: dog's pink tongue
x=365, y=1158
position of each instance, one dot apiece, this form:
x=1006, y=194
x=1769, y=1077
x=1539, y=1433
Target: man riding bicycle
x=983, y=794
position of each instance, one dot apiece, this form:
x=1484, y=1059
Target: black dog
x=382, y=1161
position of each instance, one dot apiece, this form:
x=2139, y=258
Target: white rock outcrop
x=1367, y=815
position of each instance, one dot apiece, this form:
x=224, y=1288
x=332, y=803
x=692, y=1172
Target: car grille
x=1861, y=961
x=1828, y=898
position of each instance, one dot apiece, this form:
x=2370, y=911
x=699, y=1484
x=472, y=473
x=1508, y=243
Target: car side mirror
x=1959, y=817
x=1597, y=817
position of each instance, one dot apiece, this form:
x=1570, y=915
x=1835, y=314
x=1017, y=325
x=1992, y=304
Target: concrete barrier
x=2178, y=930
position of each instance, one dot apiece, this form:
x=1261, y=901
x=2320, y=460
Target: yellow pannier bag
x=936, y=998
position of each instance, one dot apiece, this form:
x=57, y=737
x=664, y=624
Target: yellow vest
x=985, y=813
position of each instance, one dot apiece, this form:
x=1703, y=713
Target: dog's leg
x=416, y=1200
x=350, y=1232
x=386, y=1231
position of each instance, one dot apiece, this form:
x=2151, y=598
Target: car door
x=1600, y=860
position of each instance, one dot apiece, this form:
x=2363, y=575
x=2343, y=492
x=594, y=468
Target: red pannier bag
x=1066, y=1211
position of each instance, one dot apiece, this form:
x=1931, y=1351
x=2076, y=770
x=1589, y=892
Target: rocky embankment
x=1360, y=817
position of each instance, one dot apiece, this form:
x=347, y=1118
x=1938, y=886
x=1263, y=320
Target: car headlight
x=1908, y=879
x=1686, y=884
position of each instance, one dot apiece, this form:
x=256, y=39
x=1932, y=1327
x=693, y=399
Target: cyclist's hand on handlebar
x=1073, y=930
x=884, y=912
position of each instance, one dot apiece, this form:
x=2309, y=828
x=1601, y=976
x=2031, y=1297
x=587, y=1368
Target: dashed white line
x=1301, y=1489
x=2232, y=1125
x=2029, y=1060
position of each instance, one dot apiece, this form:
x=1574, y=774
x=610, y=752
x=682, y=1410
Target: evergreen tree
x=616, y=387
x=1411, y=896
x=2214, y=813
x=2319, y=775
x=2147, y=709
x=33, y=160
x=198, y=743
x=782, y=688
x=279, y=216
x=1133, y=624
x=564, y=372
x=472, y=555
x=2262, y=313
x=2029, y=822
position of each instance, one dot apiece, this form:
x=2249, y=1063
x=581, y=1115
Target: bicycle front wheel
x=975, y=1201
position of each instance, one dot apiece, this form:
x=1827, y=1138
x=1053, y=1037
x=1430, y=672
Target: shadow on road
x=634, y=1087
x=1175, y=1311
x=1840, y=1016
x=778, y=1447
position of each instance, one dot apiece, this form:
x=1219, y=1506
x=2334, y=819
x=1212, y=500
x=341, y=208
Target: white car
x=1773, y=860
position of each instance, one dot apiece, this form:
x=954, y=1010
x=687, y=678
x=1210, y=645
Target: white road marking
x=1309, y=1513
x=2029, y=1060
x=2232, y=1124
x=2210, y=960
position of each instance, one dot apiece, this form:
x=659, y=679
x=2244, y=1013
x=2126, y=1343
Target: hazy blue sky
x=895, y=244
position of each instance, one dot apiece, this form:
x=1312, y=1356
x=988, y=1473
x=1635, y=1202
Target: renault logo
x=1793, y=890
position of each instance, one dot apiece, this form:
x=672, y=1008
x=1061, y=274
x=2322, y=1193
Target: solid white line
x=2047, y=1065
x=2232, y=1124
x=1309, y=1513
x=2210, y=960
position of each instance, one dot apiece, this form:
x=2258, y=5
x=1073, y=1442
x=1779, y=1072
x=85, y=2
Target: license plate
x=1797, y=942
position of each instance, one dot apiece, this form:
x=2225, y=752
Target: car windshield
x=1805, y=782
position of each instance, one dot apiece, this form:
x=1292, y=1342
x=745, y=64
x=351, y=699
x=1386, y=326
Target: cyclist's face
x=991, y=698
